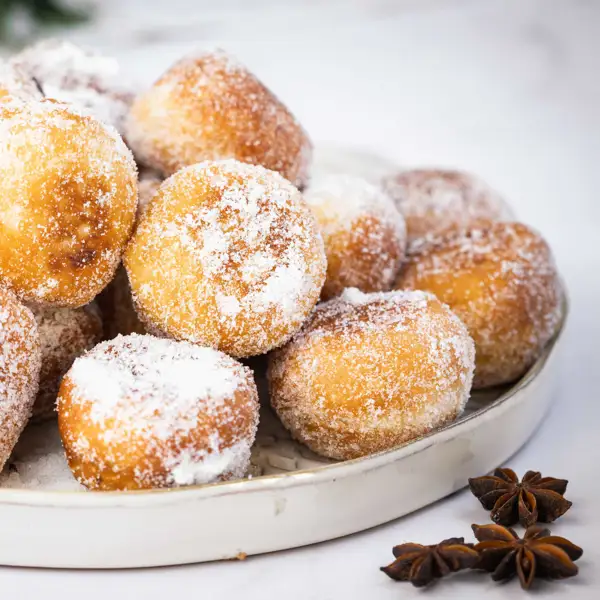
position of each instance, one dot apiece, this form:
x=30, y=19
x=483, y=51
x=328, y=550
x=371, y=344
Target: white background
x=509, y=89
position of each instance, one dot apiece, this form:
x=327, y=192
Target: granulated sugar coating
x=502, y=282
x=20, y=361
x=436, y=201
x=65, y=334
x=371, y=371
x=143, y=412
x=227, y=255
x=210, y=107
x=67, y=202
x=15, y=83
x=363, y=232
x=91, y=82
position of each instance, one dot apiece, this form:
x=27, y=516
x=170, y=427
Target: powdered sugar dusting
x=87, y=80
x=435, y=201
x=15, y=83
x=501, y=280
x=68, y=202
x=242, y=259
x=370, y=371
x=175, y=400
x=20, y=361
x=363, y=232
x=209, y=107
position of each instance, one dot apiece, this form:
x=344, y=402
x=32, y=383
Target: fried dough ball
x=65, y=334
x=141, y=412
x=502, y=282
x=436, y=202
x=371, y=371
x=15, y=84
x=363, y=232
x=20, y=361
x=89, y=81
x=67, y=203
x=118, y=311
x=227, y=255
x=209, y=107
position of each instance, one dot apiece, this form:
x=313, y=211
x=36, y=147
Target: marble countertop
x=506, y=88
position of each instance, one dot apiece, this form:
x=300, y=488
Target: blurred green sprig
x=40, y=12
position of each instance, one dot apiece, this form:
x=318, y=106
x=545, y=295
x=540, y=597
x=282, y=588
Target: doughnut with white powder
x=501, y=280
x=140, y=412
x=363, y=232
x=437, y=201
x=68, y=201
x=371, y=371
x=209, y=107
x=227, y=255
x=20, y=361
x=89, y=81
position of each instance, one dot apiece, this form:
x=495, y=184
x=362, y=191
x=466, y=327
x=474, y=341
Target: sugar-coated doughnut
x=210, y=107
x=363, y=232
x=91, y=82
x=436, y=201
x=118, y=311
x=67, y=202
x=16, y=84
x=65, y=334
x=20, y=361
x=227, y=255
x=502, y=282
x=141, y=412
x=371, y=371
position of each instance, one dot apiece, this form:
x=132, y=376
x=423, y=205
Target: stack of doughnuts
x=151, y=243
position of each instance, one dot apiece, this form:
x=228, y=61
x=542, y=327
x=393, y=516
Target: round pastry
x=141, y=412
x=91, y=82
x=502, y=282
x=14, y=83
x=371, y=371
x=118, y=311
x=20, y=361
x=67, y=203
x=435, y=202
x=363, y=232
x=227, y=255
x=209, y=107
x=65, y=334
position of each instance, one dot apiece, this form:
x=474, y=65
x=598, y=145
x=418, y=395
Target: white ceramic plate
x=294, y=498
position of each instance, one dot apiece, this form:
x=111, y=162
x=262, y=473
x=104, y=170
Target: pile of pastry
x=153, y=241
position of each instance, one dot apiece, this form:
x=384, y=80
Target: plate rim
x=280, y=481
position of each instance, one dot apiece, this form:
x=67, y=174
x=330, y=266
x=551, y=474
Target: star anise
x=538, y=554
x=422, y=564
x=533, y=499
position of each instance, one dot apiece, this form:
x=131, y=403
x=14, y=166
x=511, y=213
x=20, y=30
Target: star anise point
x=534, y=498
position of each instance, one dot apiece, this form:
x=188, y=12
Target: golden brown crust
x=209, y=107
x=502, y=282
x=363, y=233
x=20, y=361
x=178, y=414
x=227, y=255
x=371, y=371
x=67, y=203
